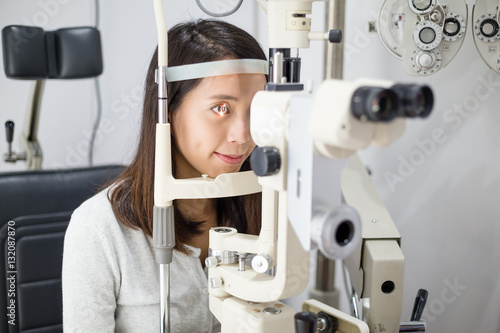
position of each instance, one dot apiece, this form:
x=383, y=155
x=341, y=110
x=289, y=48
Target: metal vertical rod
x=325, y=273
x=277, y=67
x=29, y=135
x=164, y=243
x=334, y=52
x=164, y=298
x=164, y=268
x=334, y=68
x=163, y=217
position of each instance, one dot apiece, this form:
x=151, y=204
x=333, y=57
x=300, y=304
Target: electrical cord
x=350, y=292
x=97, y=121
x=98, y=98
x=97, y=13
x=232, y=11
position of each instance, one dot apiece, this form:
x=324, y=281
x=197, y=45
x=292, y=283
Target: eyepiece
x=344, y=233
x=374, y=104
x=416, y=100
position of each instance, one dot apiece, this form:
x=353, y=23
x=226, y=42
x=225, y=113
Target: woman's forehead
x=232, y=82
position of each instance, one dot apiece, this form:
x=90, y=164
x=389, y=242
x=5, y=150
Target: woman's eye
x=221, y=110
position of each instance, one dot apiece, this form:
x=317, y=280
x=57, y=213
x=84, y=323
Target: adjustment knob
x=261, y=263
x=216, y=282
x=211, y=262
x=306, y=322
x=335, y=36
x=9, y=130
x=425, y=60
x=265, y=161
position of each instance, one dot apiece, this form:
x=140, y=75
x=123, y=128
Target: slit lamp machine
x=297, y=135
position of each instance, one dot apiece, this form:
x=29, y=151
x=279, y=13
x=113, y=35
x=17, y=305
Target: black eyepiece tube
x=374, y=104
x=416, y=100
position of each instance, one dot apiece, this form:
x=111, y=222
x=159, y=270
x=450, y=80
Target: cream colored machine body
x=425, y=34
x=247, y=296
x=297, y=135
x=486, y=21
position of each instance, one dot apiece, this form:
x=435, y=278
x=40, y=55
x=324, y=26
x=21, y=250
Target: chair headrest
x=69, y=53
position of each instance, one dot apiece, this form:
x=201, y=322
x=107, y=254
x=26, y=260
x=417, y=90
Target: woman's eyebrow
x=224, y=97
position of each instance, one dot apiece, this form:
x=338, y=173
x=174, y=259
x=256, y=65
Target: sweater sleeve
x=90, y=277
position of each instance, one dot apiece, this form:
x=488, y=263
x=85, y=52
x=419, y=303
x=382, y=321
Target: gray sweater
x=110, y=278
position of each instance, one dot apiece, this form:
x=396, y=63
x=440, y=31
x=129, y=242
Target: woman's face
x=211, y=128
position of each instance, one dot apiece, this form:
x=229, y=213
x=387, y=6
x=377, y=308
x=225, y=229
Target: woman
x=110, y=277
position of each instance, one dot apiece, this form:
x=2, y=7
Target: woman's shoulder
x=95, y=212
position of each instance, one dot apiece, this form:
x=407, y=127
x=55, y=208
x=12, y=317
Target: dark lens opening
x=489, y=28
x=422, y=5
x=427, y=35
x=416, y=100
x=374, y=104
x=451, y=27
x=344, y=233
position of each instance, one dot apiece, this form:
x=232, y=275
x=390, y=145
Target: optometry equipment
x=485, y=17
x=425, y=34
x=297, y=134
x=166, y=187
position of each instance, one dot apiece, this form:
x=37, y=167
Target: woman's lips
x=230, y=159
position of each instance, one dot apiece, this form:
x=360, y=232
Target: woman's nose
x=239, y=130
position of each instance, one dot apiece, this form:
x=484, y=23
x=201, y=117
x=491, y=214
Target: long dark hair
x=132, y=197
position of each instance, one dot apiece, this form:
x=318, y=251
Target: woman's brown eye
x=221, y=110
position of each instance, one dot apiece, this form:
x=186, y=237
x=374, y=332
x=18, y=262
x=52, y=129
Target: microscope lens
x=374, y=104
x=419, y=103
x=416, y=100
x=381, y=104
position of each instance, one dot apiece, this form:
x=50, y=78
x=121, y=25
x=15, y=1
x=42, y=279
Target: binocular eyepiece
x=379, y=104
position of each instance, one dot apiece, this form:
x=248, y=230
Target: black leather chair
x=35, y=208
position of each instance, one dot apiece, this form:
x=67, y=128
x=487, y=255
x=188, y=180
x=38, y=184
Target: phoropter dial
x=428, y=35
x=487, y=28
x=454, y=27
x=426, y=62
x=421, y=7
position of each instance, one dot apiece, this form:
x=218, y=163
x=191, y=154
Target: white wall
x=446, y=207
x=445, y=203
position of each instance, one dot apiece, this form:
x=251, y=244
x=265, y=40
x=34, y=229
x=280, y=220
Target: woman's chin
x=231, y=169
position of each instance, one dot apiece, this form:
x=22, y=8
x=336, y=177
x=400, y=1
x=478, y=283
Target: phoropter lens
x=374, y=104
x=451, y=27
x=427, y=35
x=489, y=27
x=422, y=4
